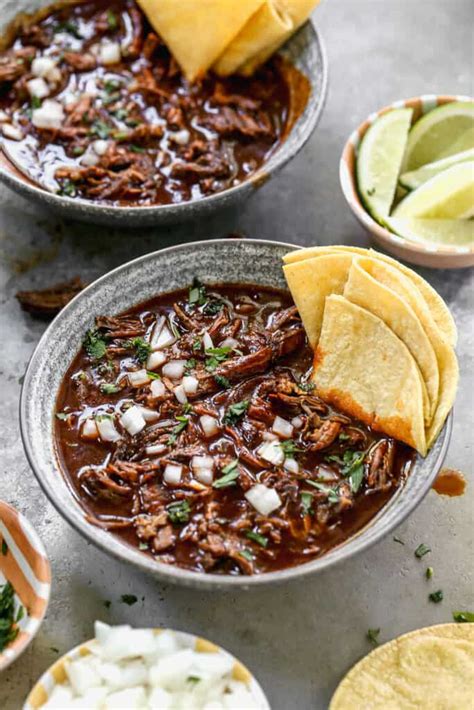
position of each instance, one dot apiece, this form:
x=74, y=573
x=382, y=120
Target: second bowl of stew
x=168, y=414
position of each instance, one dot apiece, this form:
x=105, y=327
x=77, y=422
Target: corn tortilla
x=427, y=669
x=363, y=368
x=197, y=31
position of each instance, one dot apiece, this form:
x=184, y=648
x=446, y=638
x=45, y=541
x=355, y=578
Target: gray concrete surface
x=298, y=639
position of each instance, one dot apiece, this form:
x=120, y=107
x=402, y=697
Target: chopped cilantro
x=332, y=494
x=109, y=388
x=142, y=348
x=197, y=344
x=247, y=554
x=306, y=502
x=35, y=102
x=213, y=306
x=256, y=537
x=289, y=448
x=356, y=478
x=436, y=597
x=67, y=188
x=121, y=114
x=231, y=473
x=463, y=617
x=94, y=344
x=54, y=649
x=137, y=149
x=179, y=512
x=69, y=27
x=4, y=548
x=8, y=629
x=399, y=540
x=197, y=294
x=142, y=546
x=216, y=355
x=100, y=129
x=112, y=20
x=222, y=381
x=371, y=191
x=107, y=603
x=235, y=411
x=190, y=364
x=111, y=86
x=343, y=436
x=373, y=636
x=62, y=416
x=183, y=423
x=306, y=386
x=429, y=572
x=422, y=550
x=129, y=599
x=153, y=375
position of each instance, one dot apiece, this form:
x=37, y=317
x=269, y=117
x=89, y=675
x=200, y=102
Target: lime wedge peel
x=449, y=195
x=379, y=160
x=440, y=232
x=416, y=178
x=439, y=133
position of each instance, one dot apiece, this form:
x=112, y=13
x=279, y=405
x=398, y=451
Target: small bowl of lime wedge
x=407, y=173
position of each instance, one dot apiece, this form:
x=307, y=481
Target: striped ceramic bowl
x=24, y=564
x=56, y=674
x=434, y=255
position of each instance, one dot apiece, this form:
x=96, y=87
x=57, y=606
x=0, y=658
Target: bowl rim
x=33, y=624
x=49, y=677
x=31, y=189
x=171, y=573
x=348, y=181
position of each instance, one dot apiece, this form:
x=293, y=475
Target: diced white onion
x=162, y=336
x=207, y=341
x=272, y=452
x=297, y=422
x=82, y=675
x=38, y=88
x=106, y=427
x=180, y=394
x=149, y=415
x=282, y=427
x=205, y=476
x=54, y=76
x=133, y=420
x=138, y=377
x=209, y=425
x=49, y=115
x=172, y=473
x=4, y=116
x=265, y=500
x=155, y=449
x=110, y=53
x=202, y=462
x=181, y=137
x=229, y=343
x=174, y=369
x=12, y=132
x=89, y=430
x=155, y=360
x=291, y=465
x=190, y=384
x=157, y=388
x=89, y=159
x=41, y=66
x=100, y=147
x=269, y=436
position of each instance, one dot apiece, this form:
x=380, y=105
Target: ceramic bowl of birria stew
x=98, y=123
x=168, y=415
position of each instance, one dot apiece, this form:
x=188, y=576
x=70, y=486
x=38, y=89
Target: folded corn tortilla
x=298, y=11
x=370, y=293
x=427, y=669
x=363, y=368
x=440, y=311
x=264, y=29
x=197, y=31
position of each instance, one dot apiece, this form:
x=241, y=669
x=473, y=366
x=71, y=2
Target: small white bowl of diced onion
x=146, y=669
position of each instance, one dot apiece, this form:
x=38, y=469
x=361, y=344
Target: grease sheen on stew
x=122, y=124
x=229, y=462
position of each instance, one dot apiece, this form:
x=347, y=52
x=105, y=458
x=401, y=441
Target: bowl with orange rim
x=25, y=566
x=422, y=253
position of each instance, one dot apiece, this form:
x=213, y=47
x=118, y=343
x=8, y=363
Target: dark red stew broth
x=229, y=462
x=126, y=127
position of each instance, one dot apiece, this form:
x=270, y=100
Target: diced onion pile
x=139, y=669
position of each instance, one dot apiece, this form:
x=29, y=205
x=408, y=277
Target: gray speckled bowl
x=305, y=50
x=223, y=260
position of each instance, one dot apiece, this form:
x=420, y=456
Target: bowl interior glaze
x=305, y=49
x=225, y=260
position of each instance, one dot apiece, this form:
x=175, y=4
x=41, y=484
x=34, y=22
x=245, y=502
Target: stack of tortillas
x=226, y=35
x=428, y=669
x=383, y=340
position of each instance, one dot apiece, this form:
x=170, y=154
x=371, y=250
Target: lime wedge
x=448, y=195
x=379, y=160
x=415, y=178
x=450, y=232
x=439, y=133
